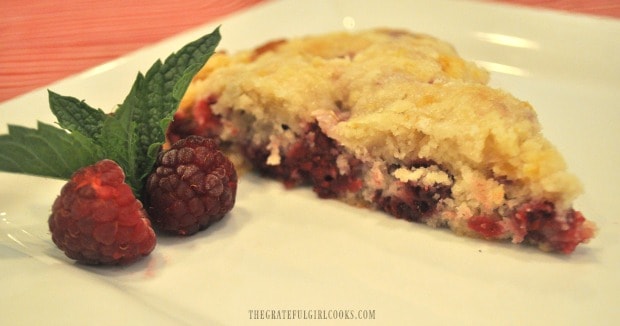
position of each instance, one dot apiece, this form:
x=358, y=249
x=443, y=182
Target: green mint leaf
x=118, y=138
x=155, y=97
x=76, y=115
x=46, y=151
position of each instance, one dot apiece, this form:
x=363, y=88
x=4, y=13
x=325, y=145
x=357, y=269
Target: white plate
x=282, y=250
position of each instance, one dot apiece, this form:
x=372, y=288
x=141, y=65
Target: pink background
x=45, y=40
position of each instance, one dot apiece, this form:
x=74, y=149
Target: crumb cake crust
x=390, y=120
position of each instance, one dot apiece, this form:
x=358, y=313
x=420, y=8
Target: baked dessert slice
x=391, y=120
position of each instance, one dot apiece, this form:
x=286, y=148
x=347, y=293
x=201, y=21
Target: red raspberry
x=98, y=220
x=193, y=186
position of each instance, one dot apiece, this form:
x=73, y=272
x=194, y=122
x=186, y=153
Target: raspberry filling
x=200, y=121
x=544, y=226
x=487, y=226
x=311, y=160
x=537, y=223
x=409, y=200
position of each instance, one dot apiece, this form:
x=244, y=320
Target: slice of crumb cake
x=390, y=120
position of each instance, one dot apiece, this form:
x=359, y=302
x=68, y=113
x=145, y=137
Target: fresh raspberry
x=98, y=220
x=193, y=186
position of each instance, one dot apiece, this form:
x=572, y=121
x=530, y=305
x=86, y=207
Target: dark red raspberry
x=193, y=186
x=98, y=220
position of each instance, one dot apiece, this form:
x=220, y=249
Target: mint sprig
x=155, y=97
x=46, y=151
x=131, y=136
